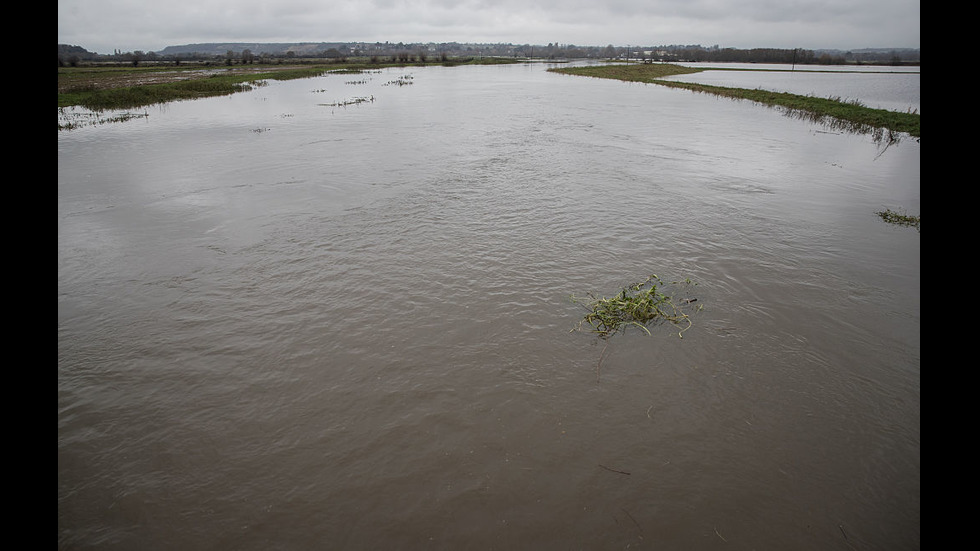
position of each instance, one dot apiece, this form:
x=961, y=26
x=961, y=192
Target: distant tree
x=71, y=60
x=247, y=56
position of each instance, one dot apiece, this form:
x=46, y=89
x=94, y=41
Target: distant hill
x=257, y=48
x=904, y=53
x=68, y=50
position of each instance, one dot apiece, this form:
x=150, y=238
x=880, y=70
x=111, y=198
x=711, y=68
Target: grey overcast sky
x=104, y=26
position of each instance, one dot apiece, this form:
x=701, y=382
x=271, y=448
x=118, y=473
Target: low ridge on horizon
x=221, y=47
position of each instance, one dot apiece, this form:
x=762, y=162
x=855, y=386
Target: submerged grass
x=849, y=115
x=71, y=121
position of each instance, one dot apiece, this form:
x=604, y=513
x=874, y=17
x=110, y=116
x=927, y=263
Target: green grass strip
x=637, y=72
x=128, y=97
x=849, y=115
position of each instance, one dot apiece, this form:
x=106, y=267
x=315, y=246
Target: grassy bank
x=113, y=87
x=119, y=88
x=632, y=72
x=841, y=114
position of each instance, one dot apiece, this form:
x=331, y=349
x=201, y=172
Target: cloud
x=127, y=25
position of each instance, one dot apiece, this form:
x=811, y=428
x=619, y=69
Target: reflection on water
x=352, y=329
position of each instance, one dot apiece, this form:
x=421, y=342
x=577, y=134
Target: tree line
x=69, y=55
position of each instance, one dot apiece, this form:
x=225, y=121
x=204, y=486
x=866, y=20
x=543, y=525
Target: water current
x=334, y=313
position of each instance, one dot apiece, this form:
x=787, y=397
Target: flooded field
x=891, y=88
x=289, y=319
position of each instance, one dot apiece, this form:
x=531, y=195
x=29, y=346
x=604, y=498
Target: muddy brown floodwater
x=287, y=320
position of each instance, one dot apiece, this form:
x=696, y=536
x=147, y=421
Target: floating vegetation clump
x=899, y=219
x=400, y=81
x=637, y=305
x=345, y=103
